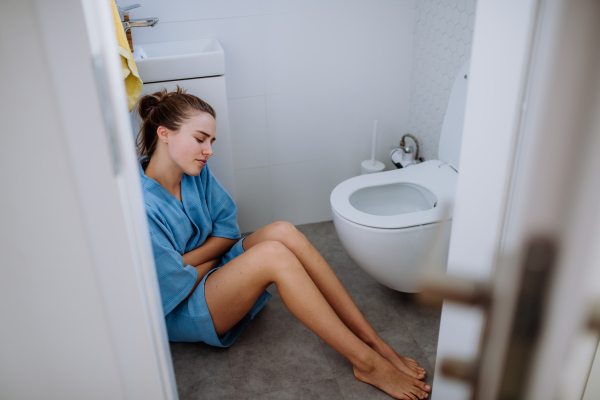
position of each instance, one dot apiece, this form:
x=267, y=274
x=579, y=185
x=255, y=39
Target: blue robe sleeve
x=175, y=280
x=221, y=207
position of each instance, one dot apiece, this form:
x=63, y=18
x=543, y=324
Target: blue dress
x=177, y=227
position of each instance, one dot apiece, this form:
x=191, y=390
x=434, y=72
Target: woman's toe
x=418, y=392
x=423, y=386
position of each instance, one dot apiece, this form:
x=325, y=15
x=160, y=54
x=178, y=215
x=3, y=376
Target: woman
x=212, y=283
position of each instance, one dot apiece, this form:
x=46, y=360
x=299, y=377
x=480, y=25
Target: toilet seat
x=436, y=176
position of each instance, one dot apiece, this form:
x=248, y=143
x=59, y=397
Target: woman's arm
x=212, y=248
x=203, y=270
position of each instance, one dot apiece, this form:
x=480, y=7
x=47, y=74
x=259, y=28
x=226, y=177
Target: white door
x=79, y=300
x=528, y=332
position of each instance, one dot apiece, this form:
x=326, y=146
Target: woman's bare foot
x=383, y=375
x=403, y=364
x=413, y=366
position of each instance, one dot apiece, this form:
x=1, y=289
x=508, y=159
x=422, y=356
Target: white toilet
x=386, y=220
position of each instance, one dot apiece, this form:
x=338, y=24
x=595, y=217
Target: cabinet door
x=211, y=90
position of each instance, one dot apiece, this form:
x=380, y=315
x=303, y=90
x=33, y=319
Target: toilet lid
x=436, y=177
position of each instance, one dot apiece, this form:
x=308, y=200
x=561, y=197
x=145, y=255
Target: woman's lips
x=202, y=162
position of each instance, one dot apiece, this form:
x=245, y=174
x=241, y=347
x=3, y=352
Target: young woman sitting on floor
x=212, y=282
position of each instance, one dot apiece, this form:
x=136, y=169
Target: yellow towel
x=133, y=82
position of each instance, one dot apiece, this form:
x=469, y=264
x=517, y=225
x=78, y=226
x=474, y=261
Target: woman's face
x=191, y=147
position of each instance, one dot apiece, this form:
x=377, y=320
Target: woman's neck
x=166, y=174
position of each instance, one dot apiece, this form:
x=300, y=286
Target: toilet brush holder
x=367, y=167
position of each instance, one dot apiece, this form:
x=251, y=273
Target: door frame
x=548, y=192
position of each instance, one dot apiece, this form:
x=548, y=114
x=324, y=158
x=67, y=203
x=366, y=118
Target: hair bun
x=149, y=102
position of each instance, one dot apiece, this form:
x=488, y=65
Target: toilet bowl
x=386, y=220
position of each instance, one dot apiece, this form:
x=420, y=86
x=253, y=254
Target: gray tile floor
x=276, y=357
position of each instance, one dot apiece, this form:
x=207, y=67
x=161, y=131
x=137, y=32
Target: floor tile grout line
x=290, y=387
x=414, y=340
x=339, y=387
x=230, y=370
x=326, y=358
x=334, y=376
x=411, y=333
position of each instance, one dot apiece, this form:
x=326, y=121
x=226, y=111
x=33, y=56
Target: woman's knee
x=283, y=230
x=277, y=257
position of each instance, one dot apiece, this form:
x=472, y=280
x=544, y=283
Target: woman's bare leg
x=332, y=289
x=232, y=290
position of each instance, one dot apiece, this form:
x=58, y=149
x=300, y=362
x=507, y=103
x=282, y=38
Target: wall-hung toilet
x=386, y=220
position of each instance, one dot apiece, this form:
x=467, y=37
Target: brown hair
x=170, y=110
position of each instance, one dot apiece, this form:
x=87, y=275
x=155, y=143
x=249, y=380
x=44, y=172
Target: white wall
x=442, y=44
x=305, y=80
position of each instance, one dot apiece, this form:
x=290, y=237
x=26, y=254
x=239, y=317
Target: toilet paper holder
x=402, y=157
x=401, y=160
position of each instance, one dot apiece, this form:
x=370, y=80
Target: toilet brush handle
x=374, y=142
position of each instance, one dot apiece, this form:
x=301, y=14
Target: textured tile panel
x=441, y=45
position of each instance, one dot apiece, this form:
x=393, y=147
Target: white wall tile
x=304, y=51
x=335, y=48
x=289, y=6
x=305, y=126
x=186, y=10
x=300, y=191
x=350, y=143
x=253, y=198
x=241, y=41
x=248, y=124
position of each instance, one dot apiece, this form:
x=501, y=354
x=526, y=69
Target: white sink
x=169, y=61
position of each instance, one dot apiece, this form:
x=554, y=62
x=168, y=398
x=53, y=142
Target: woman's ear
x=163, y=134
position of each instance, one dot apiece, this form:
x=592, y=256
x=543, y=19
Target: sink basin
x=157, y=62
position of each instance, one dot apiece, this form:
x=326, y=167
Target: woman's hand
x=207, y=266
x=203, y=269
x=212, y=248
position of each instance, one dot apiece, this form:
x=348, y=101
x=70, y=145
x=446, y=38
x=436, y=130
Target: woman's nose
x=208, y=150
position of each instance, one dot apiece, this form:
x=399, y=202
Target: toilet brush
x=372, y=165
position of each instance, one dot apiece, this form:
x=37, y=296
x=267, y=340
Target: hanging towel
x=133, y=82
